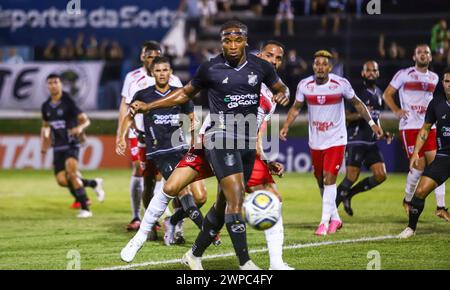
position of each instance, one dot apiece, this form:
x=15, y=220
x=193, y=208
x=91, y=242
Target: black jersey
x=233, y=91
x=438, y=113
x=359, y=131
x=163, y=133
x=61, y=116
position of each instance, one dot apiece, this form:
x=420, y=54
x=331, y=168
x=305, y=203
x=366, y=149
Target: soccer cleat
x=193, y=262
x=179, y=236
x=99, y=189
x=249, y=266
x=348, y=205
x=77, y=205
x=84, y=214
x=321, y=230
x=443, y=214
x=134, y=225
x=130, y=250
x=217, y=242
x=334, y=226
x=169, y=232
x=407, y=233
x=283, y=266
x=406, y=206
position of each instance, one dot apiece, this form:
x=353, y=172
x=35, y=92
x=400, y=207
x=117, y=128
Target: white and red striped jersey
x=265, y=109
x=141, y=83
x=415, y=90
x=326, y=110
x=131, y=77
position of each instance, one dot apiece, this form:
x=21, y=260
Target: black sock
x=82, y=198
x=212, y=224
x=238, y=234
x=192, y=210
x=416, y=209
x=344, y=186
x=178, y=216
x=72, y=192
x=364, y=185
x=89, y=182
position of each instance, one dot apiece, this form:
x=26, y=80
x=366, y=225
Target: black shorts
x=166, y=163
x=60, y=157
x=357, y=155
x=225, y=162
x=439, y=169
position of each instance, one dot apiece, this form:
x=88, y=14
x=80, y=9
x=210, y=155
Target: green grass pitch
x=38, y=229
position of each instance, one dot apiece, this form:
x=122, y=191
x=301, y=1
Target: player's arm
x=192, y=127
x=420, y=141
x=388, y=97
x=83, y=123
x=123, y=108
x=45, y=137
x=177, y=97
x=361, y=108
x=280, y=93
x=294, y=111
x=124, y=125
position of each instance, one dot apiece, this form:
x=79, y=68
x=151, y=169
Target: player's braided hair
x=323, y=53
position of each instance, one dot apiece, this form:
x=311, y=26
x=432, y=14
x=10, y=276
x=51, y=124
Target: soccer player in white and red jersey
x=416, y=86
x=134, y=81
x=324, y=93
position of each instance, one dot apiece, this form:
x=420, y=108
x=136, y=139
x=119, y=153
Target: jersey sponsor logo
x=238, y=228
x=420, y=86
x=310, y=87
x=172, y=119
x=322, y=126
x=445, y=131
x=241, y=100
x=419, y=109
x=252, y=79
x=225, y=81
x=333, y=87
x=61, y=124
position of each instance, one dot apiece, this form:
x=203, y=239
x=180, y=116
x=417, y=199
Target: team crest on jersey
x=252, y=79
x=321, y=99
x=424, y=86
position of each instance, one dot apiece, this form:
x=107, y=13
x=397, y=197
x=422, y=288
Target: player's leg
x=440, y=190
x=136, y=186
x=71, y=165
x=96, y=184
x=353, y=161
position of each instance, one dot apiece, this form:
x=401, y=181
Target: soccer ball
x=262, y=209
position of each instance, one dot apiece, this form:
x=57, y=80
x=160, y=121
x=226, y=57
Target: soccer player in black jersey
x=361, y=147
x=435, y=174
x=64, y=125
x=165, y=147
x=233, y=83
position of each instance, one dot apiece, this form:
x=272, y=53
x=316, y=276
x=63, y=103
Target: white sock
x=159, y=185
x=136, y=189
x=335, y=215
x=275, y=239
x=155, y=209
x=328, y=203
x=440, y=195
x=411, y=183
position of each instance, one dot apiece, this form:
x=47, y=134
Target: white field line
x=263, y=250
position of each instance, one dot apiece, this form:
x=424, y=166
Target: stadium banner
x=24, y=151
x=24, y=86
x=129, y=22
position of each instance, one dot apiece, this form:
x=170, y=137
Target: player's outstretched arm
x=364, y=112
x=121, y=143
x=292, y=115
x=177, y=97
x=280, y=93
x=388, y=97
x=420, y=141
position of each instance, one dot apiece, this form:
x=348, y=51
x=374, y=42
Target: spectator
x=439, y=40
x=67, y=50
x=285, y=12
x=335, y=9
x=103, y=52
x=79, y=46
x=13, y=57
x=209, y=11
x=92, y=50
x=338, y=64
x=295, y=68
x=225, y=6
x=50, y=50
x=193, y=14
x=115, y=52
x=395, y=51
x=257, y=6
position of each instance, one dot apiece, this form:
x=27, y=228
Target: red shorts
x=329, y=160
x=409, y=141
x=260, y=174
x=137, y=153
x=196, y=159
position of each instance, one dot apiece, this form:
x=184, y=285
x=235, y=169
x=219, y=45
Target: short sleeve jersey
x=438, y=113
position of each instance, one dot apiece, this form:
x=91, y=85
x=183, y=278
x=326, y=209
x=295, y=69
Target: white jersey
x=265, y=110
x=129, y=79
x=326, y=110
x=415, y=90
x=141, y=83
